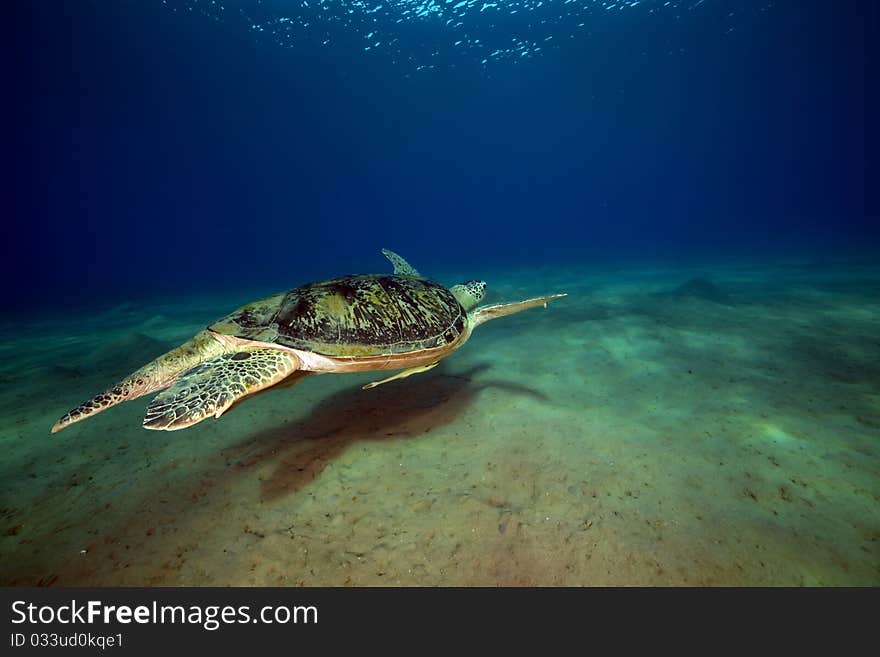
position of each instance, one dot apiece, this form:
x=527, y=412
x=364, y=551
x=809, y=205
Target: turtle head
x=469, y=294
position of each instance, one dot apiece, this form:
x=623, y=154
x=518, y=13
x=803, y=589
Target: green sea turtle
x=400, y=321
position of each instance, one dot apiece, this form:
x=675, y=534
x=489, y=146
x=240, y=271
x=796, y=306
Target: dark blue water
x=159, y=148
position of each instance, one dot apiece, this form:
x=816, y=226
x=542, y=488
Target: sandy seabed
x=659, y=426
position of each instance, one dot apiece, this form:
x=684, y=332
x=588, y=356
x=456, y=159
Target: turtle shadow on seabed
x=390, y=412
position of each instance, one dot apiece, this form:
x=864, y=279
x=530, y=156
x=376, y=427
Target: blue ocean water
x=175, y=146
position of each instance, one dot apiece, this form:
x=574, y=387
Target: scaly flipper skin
x=213, y=386
x=401, y=266
x=153, y=376
x=402, y=375
x=486, y=313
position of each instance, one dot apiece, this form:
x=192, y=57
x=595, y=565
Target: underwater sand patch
x=702, y=289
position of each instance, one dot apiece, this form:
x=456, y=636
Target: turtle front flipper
x=210, y=388
x=153, y=376
x=485, y=313
x=401, y=266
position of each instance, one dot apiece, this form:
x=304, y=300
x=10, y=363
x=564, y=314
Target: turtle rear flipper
x=402, y=375
x=153, y=376
x=210, y=388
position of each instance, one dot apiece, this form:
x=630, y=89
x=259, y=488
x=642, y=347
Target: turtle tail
x=153, y=376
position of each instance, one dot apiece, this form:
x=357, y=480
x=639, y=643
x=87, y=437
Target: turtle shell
x=353, y=316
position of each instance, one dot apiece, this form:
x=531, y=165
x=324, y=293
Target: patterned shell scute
x=353, y=316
